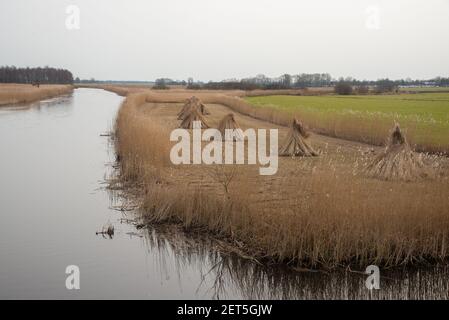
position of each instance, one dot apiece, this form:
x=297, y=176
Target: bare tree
x=224, y=175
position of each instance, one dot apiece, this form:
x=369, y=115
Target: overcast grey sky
x=215, y=40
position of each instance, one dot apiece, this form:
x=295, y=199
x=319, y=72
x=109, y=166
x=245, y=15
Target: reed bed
x=348, y=126
x=330, y=217
x=141, y=144
x=26, y=93
x=341, y=127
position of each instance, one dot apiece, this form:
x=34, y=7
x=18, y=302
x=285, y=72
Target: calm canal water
x=53, y=166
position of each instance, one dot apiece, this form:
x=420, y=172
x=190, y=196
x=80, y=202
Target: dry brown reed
x=332, y=218
x=340, y=126
x=26, y=93
x=141, y=144
x=229, y=123
x=194, y=115
x=344, y=126
x=340, y=221
x=192, y=105
x=398, y=161
x=296, y=143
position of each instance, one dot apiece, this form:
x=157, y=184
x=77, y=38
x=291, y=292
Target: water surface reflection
x=226, y=276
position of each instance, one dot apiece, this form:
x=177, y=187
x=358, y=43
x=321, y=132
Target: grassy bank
x=369, y=118
x=315, y=212
x=26, y=93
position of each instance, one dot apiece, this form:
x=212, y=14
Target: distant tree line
x=285, y=81
x=228, y=85
x=343, y=86
x=349, y=86
x=441, y=82
x=91, y=80
x=165, y=82
x=39, y=75
x=305, y=80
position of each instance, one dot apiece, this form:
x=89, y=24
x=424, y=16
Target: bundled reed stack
x=203, y=110
x=193, y=115
x=187, y=107
x=296, y=144
x=398, y=161
x=228, y=123
x=190, y=105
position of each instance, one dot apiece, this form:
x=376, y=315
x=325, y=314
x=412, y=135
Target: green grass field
x=425, y=116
